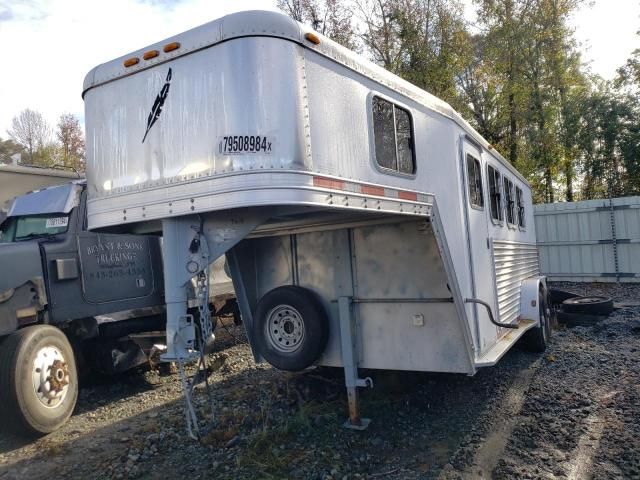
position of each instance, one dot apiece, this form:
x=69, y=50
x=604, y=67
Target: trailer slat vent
x=513, y=263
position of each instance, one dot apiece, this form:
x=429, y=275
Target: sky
x=50, y=45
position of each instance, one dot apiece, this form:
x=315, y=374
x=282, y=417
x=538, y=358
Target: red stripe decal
x=408, y=196
x=370, y=190
x=328, y=183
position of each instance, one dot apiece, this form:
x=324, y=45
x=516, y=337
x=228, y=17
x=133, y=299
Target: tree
x=71, y=139
x=609, y=143
x=8, y=148
x=329, y=17
x=30, y=129
x=534, y=60
x=629, y=73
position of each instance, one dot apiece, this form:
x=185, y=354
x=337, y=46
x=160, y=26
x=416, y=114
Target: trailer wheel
x=538, y=337
x=290, y=328
x=38, y=379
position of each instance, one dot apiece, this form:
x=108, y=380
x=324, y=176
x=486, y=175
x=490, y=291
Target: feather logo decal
x=156, y=110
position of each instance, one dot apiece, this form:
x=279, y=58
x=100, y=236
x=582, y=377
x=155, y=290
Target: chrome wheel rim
x=50, y=376
x=285, y=328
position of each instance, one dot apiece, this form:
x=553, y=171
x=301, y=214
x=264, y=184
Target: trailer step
x=503, y=345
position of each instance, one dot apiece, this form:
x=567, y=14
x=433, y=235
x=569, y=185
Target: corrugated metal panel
x=513, y=263
x=593, y=240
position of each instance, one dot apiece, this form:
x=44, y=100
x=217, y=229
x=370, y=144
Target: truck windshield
x=15, y=229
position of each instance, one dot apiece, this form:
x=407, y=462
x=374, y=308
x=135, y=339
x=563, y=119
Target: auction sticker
x=245, y=144
x=57, y=222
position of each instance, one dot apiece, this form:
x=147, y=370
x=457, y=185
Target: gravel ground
x=573, y=412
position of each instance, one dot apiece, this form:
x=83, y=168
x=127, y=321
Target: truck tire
x=588, y=305
x=537, y=338
x=38, y=380
x=290, y=328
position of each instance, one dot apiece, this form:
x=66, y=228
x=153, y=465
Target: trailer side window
x=509, y=201
x=520, y=207
x=393, y=137
x=495, y=194
x=474, y=178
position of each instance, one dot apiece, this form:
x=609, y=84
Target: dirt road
x=572, y=413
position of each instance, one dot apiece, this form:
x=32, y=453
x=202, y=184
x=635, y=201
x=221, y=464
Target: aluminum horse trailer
x=366, y=224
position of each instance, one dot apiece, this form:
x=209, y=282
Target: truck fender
x=22, y=306
x=529, y=297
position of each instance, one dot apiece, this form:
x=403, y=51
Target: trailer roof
x=273, y=24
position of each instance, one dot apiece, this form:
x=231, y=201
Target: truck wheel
x=38, y=379
x=538, y=337
x=290, y=328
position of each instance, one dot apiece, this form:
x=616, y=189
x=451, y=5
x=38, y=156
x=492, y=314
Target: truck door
x=476, y=208
x=96, y=273
x=62, y=267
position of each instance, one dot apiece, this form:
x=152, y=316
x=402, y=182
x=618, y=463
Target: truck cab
x=68, y=294
x=61, y=272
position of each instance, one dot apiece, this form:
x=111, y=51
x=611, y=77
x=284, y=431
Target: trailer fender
x=529, y=294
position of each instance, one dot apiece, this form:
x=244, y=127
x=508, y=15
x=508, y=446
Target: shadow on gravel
x=273, y=425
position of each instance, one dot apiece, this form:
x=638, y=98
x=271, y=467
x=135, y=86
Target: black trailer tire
x=588, y=305
x=40, y=354
x=537, y=338
x=290, y=328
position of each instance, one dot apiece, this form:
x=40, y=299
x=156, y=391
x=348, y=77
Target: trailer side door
x=475, y=207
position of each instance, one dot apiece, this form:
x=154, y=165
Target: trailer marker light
x=312, y=37
x=170, y=47
x=150, y=54
x=130, y=62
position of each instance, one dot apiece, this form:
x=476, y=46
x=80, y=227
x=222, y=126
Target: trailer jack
x=350, y=364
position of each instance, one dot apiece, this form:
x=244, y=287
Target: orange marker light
x=312, y=37
x=130, y=62
x=170, y=47
x=150, y=54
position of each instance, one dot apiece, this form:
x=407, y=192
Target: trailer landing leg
x=350, y=364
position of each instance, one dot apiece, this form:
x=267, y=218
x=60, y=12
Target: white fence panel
x=593, y=240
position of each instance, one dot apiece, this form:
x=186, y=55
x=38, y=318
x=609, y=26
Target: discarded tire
x=556, y=297
x=290, y=328
x=588, y=305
